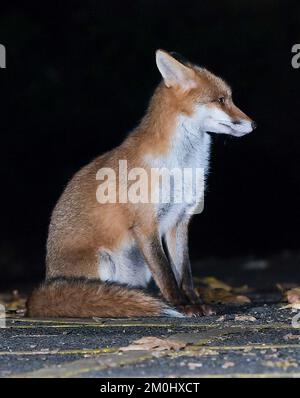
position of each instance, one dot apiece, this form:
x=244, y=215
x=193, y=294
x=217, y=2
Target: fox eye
x=221, y=100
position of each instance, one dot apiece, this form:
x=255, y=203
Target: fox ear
x=173, y=72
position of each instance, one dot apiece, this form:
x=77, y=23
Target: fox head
x=205, y=99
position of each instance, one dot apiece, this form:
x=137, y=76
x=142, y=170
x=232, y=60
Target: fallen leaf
x=280, y=364
x=293, y=295
x=13, y=302
x=216, y=291
x=295, y=306
x=192, y=365
x=154, y=344
x=215, y=283
x=291, y=336
x=227, y=365
x=220, y=296
x=245, y=318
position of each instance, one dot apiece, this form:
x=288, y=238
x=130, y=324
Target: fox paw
x=195, y=310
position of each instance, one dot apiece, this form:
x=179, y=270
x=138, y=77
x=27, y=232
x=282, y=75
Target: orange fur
x=92, y=299
x=80, y=226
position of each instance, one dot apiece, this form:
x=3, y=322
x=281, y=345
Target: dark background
x=79, y=76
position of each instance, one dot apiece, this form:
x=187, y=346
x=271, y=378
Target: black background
x=79, y=76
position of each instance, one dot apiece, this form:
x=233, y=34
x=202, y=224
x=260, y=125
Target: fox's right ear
x=174, y=73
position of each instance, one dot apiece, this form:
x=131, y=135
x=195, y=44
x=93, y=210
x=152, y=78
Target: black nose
x=253, y=125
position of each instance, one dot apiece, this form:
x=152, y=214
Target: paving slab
x=263, y=344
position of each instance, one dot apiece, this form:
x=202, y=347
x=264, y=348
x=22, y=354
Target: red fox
x=100, y=255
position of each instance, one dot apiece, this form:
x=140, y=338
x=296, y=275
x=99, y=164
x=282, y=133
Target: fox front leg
x=160, y=267
x=177, y=250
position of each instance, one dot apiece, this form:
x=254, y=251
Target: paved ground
x=262, y=344
x=267, y=346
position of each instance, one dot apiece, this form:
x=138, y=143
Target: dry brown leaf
x=221, y=296
x=294, y=306
x=193, y=365
x=227, y=365
x=245, y=318
x=280, y=364
x=216, y=291
x=291, y=336
x=13, y=301
x=293, y=295
x=215, y=283
x=154, y=344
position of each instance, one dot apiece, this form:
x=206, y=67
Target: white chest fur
x=189, y=151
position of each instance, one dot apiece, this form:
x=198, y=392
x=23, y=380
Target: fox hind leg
x=126, y=266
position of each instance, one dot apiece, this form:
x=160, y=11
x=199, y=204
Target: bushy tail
x=86, y=299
